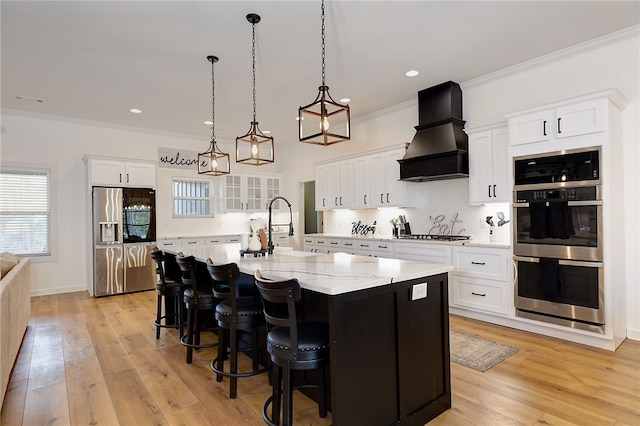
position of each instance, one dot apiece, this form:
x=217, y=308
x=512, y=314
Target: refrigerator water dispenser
x=108, y=232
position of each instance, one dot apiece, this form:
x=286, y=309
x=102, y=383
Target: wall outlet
x=419, y=291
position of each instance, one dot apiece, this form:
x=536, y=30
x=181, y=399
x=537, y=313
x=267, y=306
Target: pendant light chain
x=323, y=54
x=213, y=100
x=253, y=57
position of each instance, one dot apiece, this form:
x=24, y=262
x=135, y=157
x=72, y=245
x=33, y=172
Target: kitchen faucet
x=270, y=242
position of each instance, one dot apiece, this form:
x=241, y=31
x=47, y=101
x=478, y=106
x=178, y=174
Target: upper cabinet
x=577, y=117
x=387, y=190
x=360, y=182
x=322, y=203
x=112, y=172
x=251, y=193
x=339, y=187
x=489, y=165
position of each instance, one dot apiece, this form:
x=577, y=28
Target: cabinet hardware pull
x=559, y=131
x=336, y=201
x=120, y=178
x=382, y=247
x=494, y=191
x=127, y=177
x=387, y=197
x=191, y=242
x=333, y=242
x=365, y=199
x=478, y=294
x=323, y=202
x=489, y=190
x=340, y=200
x=478, y=263
x=381, y=201
x=544, y=128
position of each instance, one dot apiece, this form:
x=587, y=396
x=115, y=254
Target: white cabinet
x=561, y=121
x=168, y=243
x=383, y=249
x=489, y=165
x=112, y=172
x=339, y=184
x=251, y=193
x=361, y=181
x=386, y=189
x=322, y=202
x=481, y=279
x=364, y=181
x=309, y=244
x=427, y=252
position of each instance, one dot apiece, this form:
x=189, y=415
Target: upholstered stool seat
x=235, y=314
x=168, y=291
x=292, y=345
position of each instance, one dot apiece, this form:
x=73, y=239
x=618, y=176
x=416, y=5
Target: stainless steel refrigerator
x=123, y=236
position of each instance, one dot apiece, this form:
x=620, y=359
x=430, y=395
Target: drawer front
x=169, y=243
x=334, y=246
x=233, y=239
x=481, y=263
x=480, y=294
x=349, y=245
x=434, y=253
x=216, y=240
x=191, y=242
x=383, y=249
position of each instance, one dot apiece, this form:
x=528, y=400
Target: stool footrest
x=216, y=370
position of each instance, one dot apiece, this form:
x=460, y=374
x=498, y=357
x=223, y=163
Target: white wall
x=614, y=63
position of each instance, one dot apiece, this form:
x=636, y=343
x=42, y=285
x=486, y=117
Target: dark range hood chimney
x=439, y=148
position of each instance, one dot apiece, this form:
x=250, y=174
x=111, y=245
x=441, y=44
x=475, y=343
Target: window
x=192, y=198
x=25, y=210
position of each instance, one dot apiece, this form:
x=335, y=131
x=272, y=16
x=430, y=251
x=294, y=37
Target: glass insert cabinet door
x=244, y=193
x=273, y=190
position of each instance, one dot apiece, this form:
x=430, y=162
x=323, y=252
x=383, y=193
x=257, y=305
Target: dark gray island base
x=389, y=354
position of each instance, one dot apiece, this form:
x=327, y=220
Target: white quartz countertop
x=330, y=274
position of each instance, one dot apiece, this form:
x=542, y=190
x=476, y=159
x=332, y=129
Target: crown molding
x=627, y=33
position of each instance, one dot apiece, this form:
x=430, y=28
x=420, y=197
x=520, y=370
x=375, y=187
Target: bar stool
x=292, y=345
x=196, y=300
x=167, y=288
x=234, y=314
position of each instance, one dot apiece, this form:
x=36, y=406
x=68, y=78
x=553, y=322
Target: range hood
x=439, y=148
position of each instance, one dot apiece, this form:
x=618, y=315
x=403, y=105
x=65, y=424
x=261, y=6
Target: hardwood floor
x=87, y=361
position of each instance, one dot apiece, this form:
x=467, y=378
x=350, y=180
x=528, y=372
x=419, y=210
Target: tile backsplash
x=439, y=207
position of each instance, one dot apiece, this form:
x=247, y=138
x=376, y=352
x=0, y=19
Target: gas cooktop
x=435, y=237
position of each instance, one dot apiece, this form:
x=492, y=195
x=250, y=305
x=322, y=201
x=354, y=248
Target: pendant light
x=213, y=161
x=254, y=147
x=324, y=121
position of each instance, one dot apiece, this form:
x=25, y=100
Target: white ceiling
x=95, y=60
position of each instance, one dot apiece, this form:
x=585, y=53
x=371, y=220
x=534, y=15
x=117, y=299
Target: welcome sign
x=170, y=158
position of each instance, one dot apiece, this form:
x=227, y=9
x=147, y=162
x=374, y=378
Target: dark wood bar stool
x=167, y=288
x=235, y=314
x=196, y=299
x=292, y=345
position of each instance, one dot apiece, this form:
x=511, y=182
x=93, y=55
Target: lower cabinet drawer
x=485, y=295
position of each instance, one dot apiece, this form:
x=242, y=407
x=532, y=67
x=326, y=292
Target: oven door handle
x=561, y=262
x=570, y=203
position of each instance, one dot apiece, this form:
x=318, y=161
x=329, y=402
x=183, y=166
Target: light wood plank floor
x=87, y=361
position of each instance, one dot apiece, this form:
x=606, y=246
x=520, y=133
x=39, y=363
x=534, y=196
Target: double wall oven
x=557, y=212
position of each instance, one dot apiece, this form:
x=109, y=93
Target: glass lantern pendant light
x=254, y=147
x=213, y=161
x=324, y=121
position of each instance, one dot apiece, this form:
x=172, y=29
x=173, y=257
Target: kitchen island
x=389, y=329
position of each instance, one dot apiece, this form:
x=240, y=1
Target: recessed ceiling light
x=208, y=123
x=266, y=132
x=136, y=110
x=412, y=73
x=345, y=100
x=298, y=118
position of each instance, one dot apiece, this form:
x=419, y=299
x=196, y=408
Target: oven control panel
x=582, y=193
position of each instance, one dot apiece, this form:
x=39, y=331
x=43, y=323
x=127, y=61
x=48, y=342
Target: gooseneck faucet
x=270, y=242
